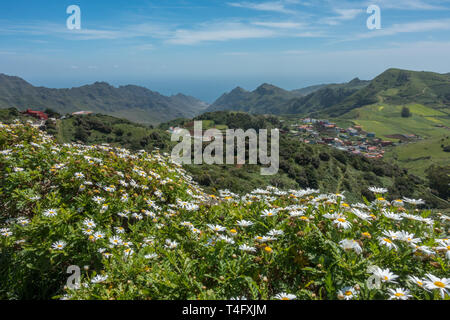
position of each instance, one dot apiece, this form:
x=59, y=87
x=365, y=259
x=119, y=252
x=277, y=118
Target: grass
x=386, y=120
x=419, y=156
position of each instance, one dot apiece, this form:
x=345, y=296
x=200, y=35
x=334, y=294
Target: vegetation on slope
x=145, y=231
x=130, y=102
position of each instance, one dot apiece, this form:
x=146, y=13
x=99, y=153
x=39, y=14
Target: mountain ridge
x=135, y=103
x=395, y=86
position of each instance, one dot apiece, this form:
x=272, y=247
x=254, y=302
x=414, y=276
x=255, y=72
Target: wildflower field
x=139, y=228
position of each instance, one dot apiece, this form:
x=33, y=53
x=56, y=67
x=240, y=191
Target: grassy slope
x=385, y=120
x=417, y=157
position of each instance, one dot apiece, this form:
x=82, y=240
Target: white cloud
x=281, y=25
x=411, y=27
x=342, y=15
x=219, y=32
x=409, y=4
x=277, y=6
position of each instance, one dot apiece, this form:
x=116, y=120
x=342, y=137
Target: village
x=309, y=130
x=314, y=131
x=353, y=139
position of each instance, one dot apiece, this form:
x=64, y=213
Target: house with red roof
x=37, y=114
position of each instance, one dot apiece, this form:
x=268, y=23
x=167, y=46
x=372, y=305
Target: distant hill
x=394, y=86
x=399, y=87
x=309, y=90
x=268, y=99
x=135, y=103
x=324, y=98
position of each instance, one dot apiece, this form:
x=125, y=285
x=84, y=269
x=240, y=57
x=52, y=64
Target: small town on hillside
x=314, y=131
x=310, y=131
x=353, y=139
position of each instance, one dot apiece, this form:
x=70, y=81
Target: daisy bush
x=140, y=228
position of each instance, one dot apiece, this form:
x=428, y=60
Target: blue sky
x=207, y=47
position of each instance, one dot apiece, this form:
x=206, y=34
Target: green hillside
x=268, y=99
x=300, y=165
x=138, y=228
x=392, y=87
x=431, y=125
x=400, y=87
x=386, y=120
x=265, y=99
x=135, y=103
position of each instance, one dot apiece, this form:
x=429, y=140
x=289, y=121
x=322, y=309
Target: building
x=81, y=113
x=37, y=114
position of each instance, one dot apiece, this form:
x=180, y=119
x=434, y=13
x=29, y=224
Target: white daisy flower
x=268, y=213
x=216, y=228
x=171, y=244
x=347, y=293
x=99, y=278
x=348, y=244
x=387, y=242
x=385, y=275
x=285, y=296
x=435, y=283
x=342, y=222
x=378, y=190
x=244, y=223
x=51, y=213
x=399, y=294
x=89, y=223
x=247, y=248
x=115, y=240
x=59, y=245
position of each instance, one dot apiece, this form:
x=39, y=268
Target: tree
x=52, y=113
x=406, y=113
x=439, y=180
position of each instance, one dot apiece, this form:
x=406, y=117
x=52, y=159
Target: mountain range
x=394, y=86
x=134, y=103
x=139, y=104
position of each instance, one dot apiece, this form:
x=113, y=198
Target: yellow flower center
x=399, y=294
x=439, y=284
x=285, y=298
x=233, y=231
x=387, y=240
x=348, y=293
x=341, y=220
x=268, y=249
